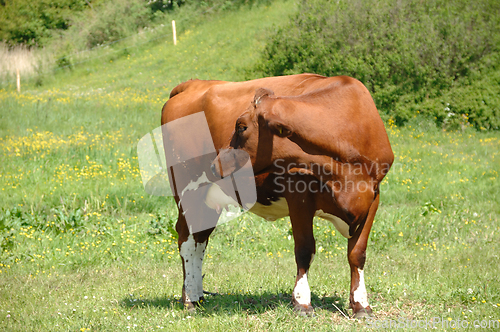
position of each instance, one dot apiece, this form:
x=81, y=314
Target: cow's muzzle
x=229, y=161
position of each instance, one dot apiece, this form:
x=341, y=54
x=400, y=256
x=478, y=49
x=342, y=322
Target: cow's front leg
x=192, y=251
x=356, y=254
x=301, y=217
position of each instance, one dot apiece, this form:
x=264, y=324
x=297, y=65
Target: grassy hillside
x=54, y=34
x=137, y=74
x=83, y=248
x=89, y=23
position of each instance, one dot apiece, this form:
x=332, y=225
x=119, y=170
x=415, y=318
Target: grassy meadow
x=84, y=248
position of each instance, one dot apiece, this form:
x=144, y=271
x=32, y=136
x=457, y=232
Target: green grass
x=84, y=248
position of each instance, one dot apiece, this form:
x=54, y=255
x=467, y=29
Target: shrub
x=404, y=51
x=32, y=22
x=164, y=5
x=112, y=20
x=476, y=104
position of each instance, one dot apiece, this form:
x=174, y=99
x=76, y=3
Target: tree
x=32, y=22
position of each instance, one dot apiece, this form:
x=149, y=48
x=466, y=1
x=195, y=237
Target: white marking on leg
x=359, y=294
x=301, y=292
x=192, y=253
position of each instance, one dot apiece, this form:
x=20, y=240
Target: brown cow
x=318, y=148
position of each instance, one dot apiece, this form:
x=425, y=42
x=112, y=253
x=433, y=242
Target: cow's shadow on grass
x=249, y=303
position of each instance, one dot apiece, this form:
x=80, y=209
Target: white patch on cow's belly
x=217, y=200
x=277, y=209
x=192, y=253
x=301, y=292
x=339, y=224
x=359, y=294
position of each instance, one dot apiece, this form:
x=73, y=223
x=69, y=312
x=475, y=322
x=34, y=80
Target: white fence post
x=18, y=81
x=174, y=32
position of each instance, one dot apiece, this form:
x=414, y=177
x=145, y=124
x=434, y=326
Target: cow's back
x=223, y=101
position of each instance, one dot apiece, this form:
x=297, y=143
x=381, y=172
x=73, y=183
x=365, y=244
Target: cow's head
x=263, y=133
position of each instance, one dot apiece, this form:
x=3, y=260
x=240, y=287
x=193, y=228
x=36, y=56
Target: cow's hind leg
x=192, y=251
x=356, y=254
x=301, y=217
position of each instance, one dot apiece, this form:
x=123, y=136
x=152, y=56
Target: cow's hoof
x=362, y=314
x=304, y=310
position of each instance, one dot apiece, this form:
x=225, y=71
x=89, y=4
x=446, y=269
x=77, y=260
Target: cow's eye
x=241, y=129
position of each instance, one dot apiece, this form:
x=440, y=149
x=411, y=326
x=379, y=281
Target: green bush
x=164, y=5
x=404, y=51
x=33, y=22
x=111, y=21
x=476, y=104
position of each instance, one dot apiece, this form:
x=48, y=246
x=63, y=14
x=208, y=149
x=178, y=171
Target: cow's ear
x=260, y=94
x=279, y=128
